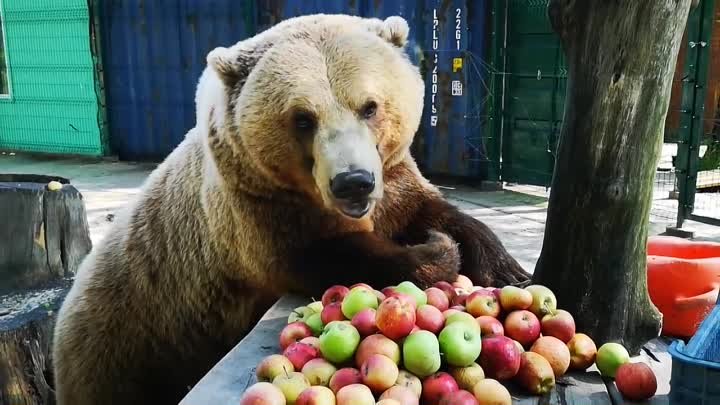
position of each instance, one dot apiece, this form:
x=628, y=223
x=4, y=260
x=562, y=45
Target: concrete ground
x=516, y=214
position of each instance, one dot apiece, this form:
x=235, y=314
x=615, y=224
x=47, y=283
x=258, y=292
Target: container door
x=535, y=82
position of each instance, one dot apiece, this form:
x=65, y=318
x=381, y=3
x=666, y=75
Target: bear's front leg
x=365, y=257
x=484, y=259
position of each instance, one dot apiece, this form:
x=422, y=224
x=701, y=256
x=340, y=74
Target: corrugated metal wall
x=155, y=52
x=53, y=104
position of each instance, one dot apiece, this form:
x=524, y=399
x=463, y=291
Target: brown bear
x=296, y=177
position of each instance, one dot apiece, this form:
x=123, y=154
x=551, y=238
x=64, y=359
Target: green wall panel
x=53, y=106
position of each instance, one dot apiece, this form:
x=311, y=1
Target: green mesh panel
x=53, y=106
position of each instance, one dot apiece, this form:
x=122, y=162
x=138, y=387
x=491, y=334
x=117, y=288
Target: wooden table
x=226, y=382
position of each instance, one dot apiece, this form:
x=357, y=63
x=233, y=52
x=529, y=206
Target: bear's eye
x=369, y=109
x=304, y=121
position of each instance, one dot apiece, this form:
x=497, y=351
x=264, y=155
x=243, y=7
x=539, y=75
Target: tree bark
x=621, y=56
x=26, y=332
x=45, y=234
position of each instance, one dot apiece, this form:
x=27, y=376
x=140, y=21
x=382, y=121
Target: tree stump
x=621, y=56
x=46, y=234
x=26, y=331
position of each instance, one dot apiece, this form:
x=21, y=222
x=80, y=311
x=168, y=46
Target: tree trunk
x=45, y=234
x=621, y=56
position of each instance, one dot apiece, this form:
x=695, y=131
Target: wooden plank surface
x=226, y=382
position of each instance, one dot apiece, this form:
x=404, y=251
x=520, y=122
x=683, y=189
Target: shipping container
x=155, y=51
x=49, y=101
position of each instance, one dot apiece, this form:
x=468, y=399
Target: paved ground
x=517, y=214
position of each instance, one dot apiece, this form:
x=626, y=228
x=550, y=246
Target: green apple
x=407, y=287
x=358, y=299
x=316, y=306
x=460, y=344
x=291, y=384
x=463, y=317
x=315, y=323
x=300, y=314
x=338, y=341
x=421, y=353
x=610, y=357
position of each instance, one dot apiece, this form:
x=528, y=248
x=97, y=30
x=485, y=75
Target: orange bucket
x=683, y=282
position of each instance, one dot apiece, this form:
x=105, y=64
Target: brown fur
x=233, y=219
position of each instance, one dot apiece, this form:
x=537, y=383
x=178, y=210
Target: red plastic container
x=683, y=282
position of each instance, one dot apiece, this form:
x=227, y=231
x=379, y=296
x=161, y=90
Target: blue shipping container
x=155, y=51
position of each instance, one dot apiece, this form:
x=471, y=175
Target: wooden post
x=621, y=56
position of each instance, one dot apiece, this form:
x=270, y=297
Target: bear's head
x=321, y=105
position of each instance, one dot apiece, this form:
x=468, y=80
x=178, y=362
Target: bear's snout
x=353, y=185
x=352, y=190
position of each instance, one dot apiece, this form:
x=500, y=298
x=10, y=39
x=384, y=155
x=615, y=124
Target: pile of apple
x=452, y=344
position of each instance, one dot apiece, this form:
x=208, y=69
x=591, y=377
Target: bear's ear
x=395, y=30
x=232, y=64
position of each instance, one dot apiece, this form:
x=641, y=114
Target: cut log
x=621, y=56
x=26, y=329
x=45, y=235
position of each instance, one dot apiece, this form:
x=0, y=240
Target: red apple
x=482, y=303
x=447, y=288
x=316, y=395
x=555, y=352
x=319, y=371
x=490, y=326
x=582, y=351
x=312, y=341
x=515, y=298
x=459, y=300
x=491, y=392
x=332, y=312
x=355, y=394
x=379, y=373
x=335, y=293
x=300, y=353
x=377, y=344
x=395, y=317
x=263, y=393
x=522, y=326
x=387, y=291
x=437, y=298
x=559, y=324
x=364, y=322
x=403, y=395
x=271, y=366
x=463, y=282
x=535, y=374
x=437, y=385
x=429, y=318
x=499, y=357
x=343, y=377
x=636, y=381
x=406, y=298
x=293, y=332
x=460, y=397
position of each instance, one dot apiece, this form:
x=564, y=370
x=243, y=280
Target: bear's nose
x=352, y=185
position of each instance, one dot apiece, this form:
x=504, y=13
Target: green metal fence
x=529, y=77
x=50, y=100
